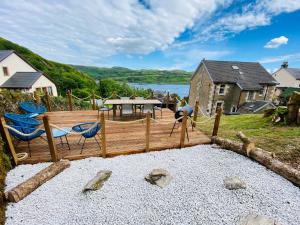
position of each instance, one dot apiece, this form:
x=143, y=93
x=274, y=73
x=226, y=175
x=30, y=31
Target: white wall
x=14, y=64
x=285, y=79
x=44, y=82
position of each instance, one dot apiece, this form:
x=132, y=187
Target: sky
x=156, y=34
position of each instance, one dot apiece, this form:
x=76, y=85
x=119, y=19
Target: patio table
x=116, y=102
x=59, y=134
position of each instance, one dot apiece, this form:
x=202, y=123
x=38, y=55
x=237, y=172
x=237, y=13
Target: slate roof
x=294, y=72
x=5, y=53
x=252, y=107
x=248, y=76
x=22, y=80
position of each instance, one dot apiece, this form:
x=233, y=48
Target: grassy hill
x=138, y=76
x=65, y=76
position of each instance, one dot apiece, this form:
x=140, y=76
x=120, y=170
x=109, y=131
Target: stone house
x=17, y=74
x=286, y=78
x=230, y=84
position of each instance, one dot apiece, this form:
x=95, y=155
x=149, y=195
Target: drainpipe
x=212, y=103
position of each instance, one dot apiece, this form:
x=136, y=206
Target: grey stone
x=253, y=219
x=98, y=181
x=233, y=183
x=159, y=177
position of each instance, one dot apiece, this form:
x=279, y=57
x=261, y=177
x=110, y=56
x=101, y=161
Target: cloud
x=73, y=31
x=276, y=42
x=294, y=57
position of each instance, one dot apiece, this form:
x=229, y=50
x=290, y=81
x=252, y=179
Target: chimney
x=285, y=65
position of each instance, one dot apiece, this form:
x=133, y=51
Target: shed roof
x=22, y=80
x=4, y=54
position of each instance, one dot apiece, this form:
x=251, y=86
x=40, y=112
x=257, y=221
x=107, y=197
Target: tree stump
x=22, y=190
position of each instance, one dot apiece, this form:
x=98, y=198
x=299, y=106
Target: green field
x=283, y=140
x=138, y=76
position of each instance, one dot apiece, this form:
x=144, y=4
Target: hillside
x=65, y=76
x=138, y=76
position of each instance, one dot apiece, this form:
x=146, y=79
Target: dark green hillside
x=65, y=76
x=138, y=76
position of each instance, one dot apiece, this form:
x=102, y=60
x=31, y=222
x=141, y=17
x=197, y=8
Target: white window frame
x=216, y=106
x=264, y=91
x=253, y=96
x=224, y=89
x=235, y=109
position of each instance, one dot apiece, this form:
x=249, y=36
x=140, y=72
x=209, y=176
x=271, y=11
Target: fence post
x=70, y=100
x=103, y=137
x=168, y=100
x=217, y=121
x=298, y=117
x=148, y=120
x=94, y=102
x=48, y=103
x=175, y=105
x=36, y=97
x=183, y=129
x=196, y=113
x=51, y=143
x=7, y=138
x=152, y=95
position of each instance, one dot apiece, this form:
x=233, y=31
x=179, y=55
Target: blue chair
x=90, y=134
x=23, y=120
x=25, y=130
x=32, y=107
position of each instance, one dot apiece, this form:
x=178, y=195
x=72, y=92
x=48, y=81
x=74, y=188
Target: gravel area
x=196, y=195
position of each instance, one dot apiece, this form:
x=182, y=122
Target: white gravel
x=196, y=195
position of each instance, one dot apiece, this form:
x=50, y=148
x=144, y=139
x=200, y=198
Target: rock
x=233, y=183
x=253, y=219
x=159, y=177
x=98, y=181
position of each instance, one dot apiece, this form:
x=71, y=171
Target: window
x=219, y=105
x=233, y=109
x=5, y=71
x=222, y=89
x=251, y=95
x=49, y=89
x=262, y=91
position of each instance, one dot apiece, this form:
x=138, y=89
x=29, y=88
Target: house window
x=222, y=89
x=262, y=91
x=233, y=109
x=49, y=89
x=5, y=71
x=219, y=105
x=250, y=96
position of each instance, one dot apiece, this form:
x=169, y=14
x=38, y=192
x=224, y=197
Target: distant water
x=181, y=89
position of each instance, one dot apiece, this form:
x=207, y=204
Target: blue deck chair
x=90, y=134
x=32, y=107
x=22, y=119
x=25, y=130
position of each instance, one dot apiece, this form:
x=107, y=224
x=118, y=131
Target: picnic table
x=133, y=102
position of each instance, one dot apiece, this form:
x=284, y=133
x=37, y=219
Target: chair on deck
x=102, y=107
x=22, y=119
x=127, y=110
x=32, y=107
x=26, y=138
x=148, y=108
x=90, y=130
x=140, y=107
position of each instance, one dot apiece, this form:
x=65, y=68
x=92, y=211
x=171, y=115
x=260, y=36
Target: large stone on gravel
x=159, y=177
x=254, y=219
x=233, y=183
x=98, y=181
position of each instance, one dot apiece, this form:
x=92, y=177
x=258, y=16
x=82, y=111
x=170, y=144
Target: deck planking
x=121, y=139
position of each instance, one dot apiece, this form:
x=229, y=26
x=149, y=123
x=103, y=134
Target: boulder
x=98, y=181
x=233, y=183
x=253, y=219
x=159, y=177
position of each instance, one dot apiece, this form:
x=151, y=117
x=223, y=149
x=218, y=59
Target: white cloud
x=293, y=57
x=75, y=31
x=276, y=42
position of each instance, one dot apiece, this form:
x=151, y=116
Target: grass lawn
x=283, y=140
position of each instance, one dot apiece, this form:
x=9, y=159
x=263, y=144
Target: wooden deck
x=121, y=139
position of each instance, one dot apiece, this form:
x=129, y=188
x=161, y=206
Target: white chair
x=127, y=109
x=102, y=107
x=148, y=108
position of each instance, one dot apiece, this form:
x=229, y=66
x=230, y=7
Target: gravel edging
x=196, y=195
